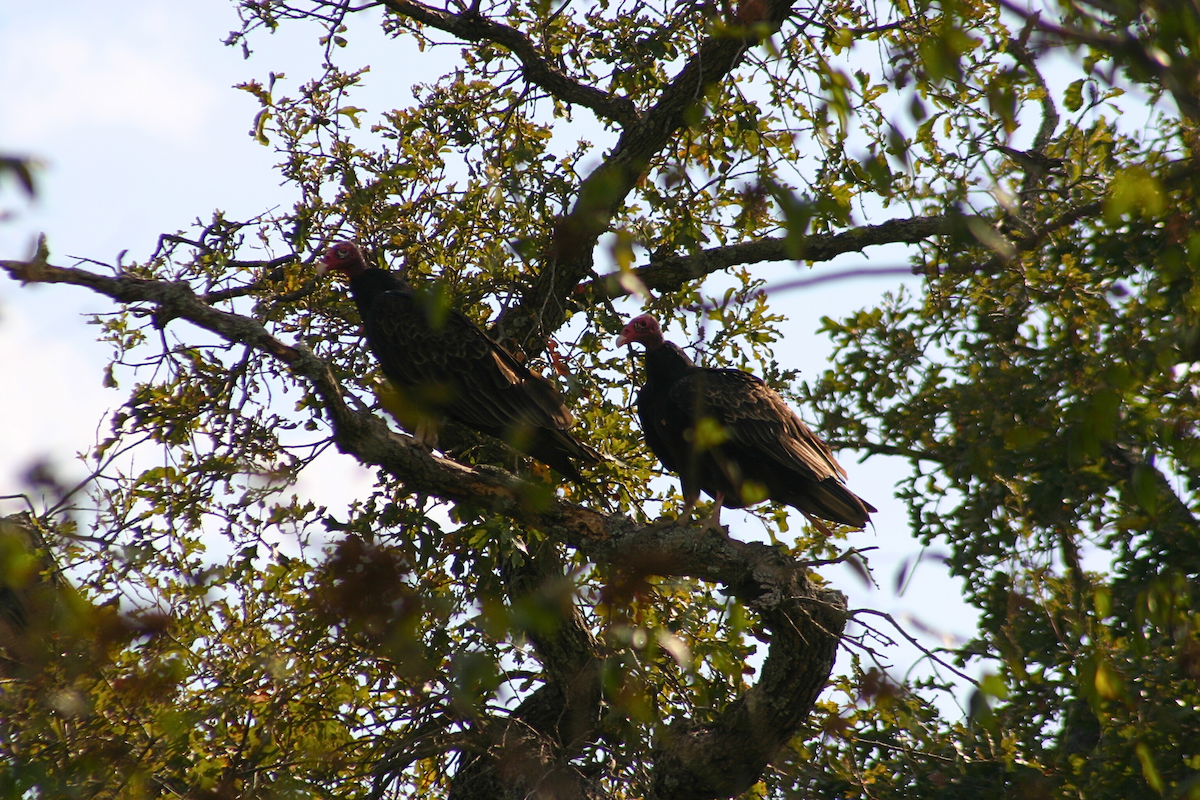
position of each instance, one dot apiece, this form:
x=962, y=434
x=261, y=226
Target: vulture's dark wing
x=756, y=419
x=665, y=426
x=473, y=380
x=486, y=386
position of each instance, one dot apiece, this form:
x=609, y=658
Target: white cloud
x=52, y=397
x=67, y=76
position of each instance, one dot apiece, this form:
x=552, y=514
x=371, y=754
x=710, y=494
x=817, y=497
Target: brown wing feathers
x=756, y=439
x=454, y=370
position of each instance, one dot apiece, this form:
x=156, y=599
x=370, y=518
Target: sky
x=130, y=107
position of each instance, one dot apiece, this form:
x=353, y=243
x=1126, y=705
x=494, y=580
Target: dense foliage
x=461, y=632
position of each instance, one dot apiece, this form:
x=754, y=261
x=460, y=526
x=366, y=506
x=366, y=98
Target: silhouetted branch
x=1125, y=48
x=543, y=308
x=473, y=27
x=721, y=758
x=1176, y=531
x=672, y=272
x=913, y=641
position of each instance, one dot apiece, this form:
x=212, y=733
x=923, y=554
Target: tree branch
x=543, y=308
x=727, y=757
x=511, y=757
x=712, y=760
x=566, y=648
x=554, y=723
x=1034, y=161
x=1127, y=48
x=669, y=273
x=475, y=28
x=1176, y=531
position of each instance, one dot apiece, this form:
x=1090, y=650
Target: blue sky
x=130, y=107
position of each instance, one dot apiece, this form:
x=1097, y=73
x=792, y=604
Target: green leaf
x=1149, y=771
x=1073, y=96
x=260, y=127
x=1134, y=192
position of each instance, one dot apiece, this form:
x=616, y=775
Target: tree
x=471, y=629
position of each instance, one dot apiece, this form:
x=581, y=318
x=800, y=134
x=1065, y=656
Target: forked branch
x=473, y=27
x=718, y=759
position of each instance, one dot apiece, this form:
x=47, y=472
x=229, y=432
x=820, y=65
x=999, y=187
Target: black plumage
x=726, y=433
x=445, y=367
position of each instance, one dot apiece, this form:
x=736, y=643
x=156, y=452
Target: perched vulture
x=445, y=367
x=725, y=432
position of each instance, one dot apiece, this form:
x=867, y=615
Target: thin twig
x=915, y=643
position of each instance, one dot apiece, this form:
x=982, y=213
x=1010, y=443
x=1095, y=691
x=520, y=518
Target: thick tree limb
x=727, y=757
x=697, y=761
x=518, y=761
x=567, y=647
x=534, y=66
x=693, y=761
x=532, y=749
x=669, y=273
x=543, y=308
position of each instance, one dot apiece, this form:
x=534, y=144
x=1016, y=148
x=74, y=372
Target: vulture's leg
x=427, y=432
x=713, y=520
x=681, y=519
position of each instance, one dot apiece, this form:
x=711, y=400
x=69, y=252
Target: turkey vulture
x=445, y=367
x=725, y=432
